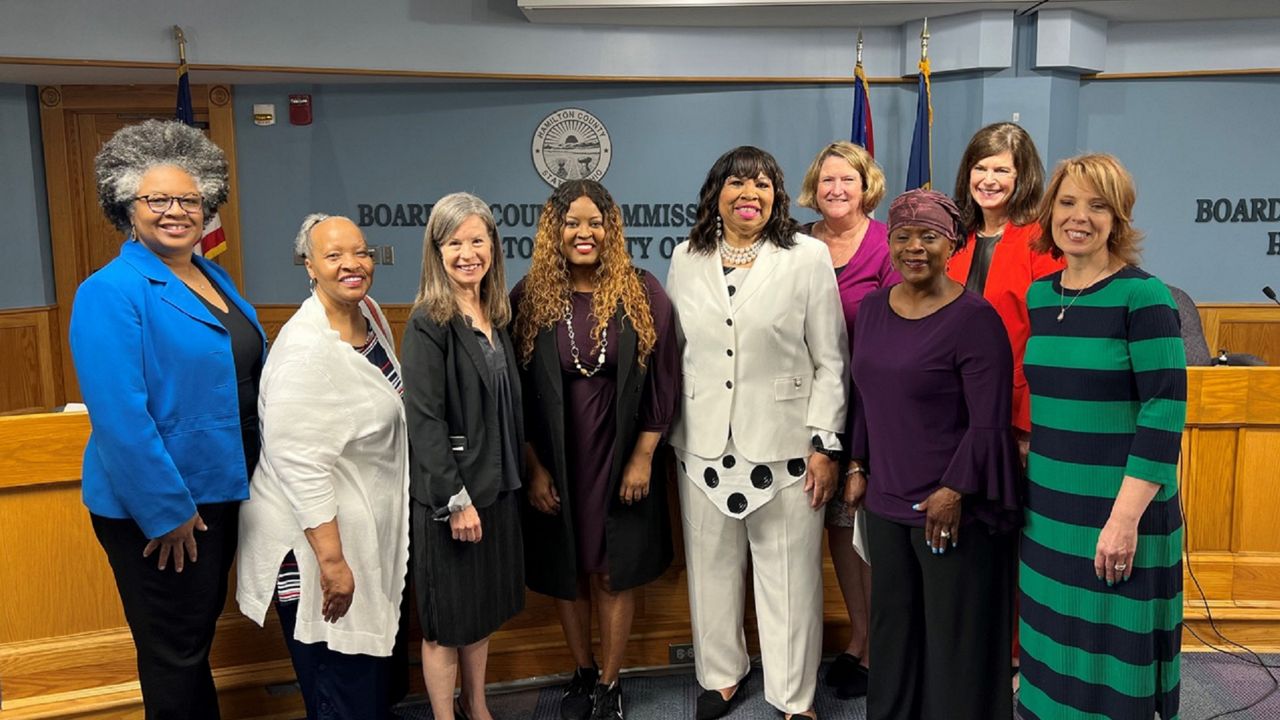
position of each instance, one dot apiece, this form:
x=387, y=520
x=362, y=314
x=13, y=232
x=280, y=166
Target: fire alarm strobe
x=300, y=109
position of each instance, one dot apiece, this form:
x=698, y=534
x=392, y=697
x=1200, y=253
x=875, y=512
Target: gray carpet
x=1211, y=683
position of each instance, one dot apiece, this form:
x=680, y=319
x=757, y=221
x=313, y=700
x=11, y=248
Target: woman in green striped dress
x=1101, y=570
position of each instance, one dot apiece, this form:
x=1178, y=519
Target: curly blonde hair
x=547, y=290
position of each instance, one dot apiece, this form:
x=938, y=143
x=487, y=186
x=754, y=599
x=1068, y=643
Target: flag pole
x=924, y=68
x=858, y=63
x=182, y=44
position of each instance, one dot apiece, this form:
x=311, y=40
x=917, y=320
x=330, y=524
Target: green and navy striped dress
x=1108, y=399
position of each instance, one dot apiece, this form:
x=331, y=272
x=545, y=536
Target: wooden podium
x=65, y=651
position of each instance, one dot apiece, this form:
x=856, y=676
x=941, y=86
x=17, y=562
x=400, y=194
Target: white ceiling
x=864, y=13
x=697, y=13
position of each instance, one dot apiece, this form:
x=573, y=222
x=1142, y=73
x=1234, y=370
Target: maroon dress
x=590, y=414
x=583, y=430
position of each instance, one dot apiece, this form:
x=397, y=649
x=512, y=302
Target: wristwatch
x=819, y=448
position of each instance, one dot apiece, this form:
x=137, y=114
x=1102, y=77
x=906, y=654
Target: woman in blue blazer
x=168, y=356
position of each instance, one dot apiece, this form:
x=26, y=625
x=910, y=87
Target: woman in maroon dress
x=596, y=341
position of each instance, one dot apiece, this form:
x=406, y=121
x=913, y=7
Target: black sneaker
x=575, y=701
x=606, y=703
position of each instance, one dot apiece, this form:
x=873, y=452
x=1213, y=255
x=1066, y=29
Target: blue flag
x=185, y=112
x=862, y=133
x=920, y=166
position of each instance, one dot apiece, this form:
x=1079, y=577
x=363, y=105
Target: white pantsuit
x=765, y=370
x=783, y=540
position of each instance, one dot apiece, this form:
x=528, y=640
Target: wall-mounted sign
x=1242, y=210
x=517, y=223
x=571, y=144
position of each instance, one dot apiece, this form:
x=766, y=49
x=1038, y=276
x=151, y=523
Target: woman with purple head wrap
x=933, y=371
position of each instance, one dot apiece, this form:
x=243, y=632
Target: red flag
x=214, y=241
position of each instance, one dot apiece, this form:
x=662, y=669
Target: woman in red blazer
x=998, y=190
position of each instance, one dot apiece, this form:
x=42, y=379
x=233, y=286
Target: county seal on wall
x=571, y=144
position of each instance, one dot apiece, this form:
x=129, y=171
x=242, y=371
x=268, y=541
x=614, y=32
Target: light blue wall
x=414, y=143
x=490, y=36
x=1186, y=139
x=26, y=274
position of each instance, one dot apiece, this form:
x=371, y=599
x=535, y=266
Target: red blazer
x=1013, y=268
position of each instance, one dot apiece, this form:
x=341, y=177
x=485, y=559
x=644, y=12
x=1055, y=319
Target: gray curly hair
x=135, y=149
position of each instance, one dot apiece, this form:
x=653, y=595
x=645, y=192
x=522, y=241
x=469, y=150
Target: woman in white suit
x=765, y=362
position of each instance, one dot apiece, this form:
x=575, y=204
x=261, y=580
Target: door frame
x=57, y=104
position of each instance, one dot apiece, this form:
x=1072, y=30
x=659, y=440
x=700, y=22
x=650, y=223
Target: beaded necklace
x=573, y=345
x=740, y=256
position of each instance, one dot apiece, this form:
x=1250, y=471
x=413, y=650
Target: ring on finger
x=946, y=533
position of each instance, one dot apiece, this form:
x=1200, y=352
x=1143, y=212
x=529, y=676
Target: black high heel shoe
x=711, y=704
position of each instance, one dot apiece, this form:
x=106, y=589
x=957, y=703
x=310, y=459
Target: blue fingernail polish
x=916, y=506
x=1110, y=584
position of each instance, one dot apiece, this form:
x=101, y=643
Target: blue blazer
x=157, y=374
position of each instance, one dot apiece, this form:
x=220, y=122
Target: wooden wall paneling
x=29, y=367
x=1256, y=581
x=1259, y=496
x=62, y=218
x=1208, y=576
x=222, y=130
x=1221, y=395
x=41, y=449
x=1209, y=489
x=1256, y=338
x=274, y=316
x=56, y=577
x=1242, y=328
x=1264, y=397
x=59, y=661
x=1254, y=627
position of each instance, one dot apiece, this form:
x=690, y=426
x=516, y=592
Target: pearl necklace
x=573, y=346
x=1062, y=298
x=740, y=256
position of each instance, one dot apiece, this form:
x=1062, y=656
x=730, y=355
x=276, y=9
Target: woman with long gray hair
x=466, y=438
x=168, y=355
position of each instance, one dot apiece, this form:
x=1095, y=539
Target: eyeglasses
x=160, y=204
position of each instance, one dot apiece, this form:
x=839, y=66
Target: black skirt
x=466, y=591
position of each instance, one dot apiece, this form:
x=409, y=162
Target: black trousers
x=941, y=625
x=337, y=686
x=172, y=615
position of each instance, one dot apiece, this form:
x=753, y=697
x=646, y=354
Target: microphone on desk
x=1266, y=290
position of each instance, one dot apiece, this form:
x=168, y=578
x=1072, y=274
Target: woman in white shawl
x=325, y=531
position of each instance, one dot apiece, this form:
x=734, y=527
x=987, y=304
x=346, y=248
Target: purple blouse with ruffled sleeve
x=932, y=409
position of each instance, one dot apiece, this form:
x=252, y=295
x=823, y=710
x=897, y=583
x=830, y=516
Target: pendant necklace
x=1063, y=305
x=573, y=345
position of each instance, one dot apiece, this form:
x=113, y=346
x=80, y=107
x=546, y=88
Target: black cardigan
x=452, y=413
x=638, y=536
